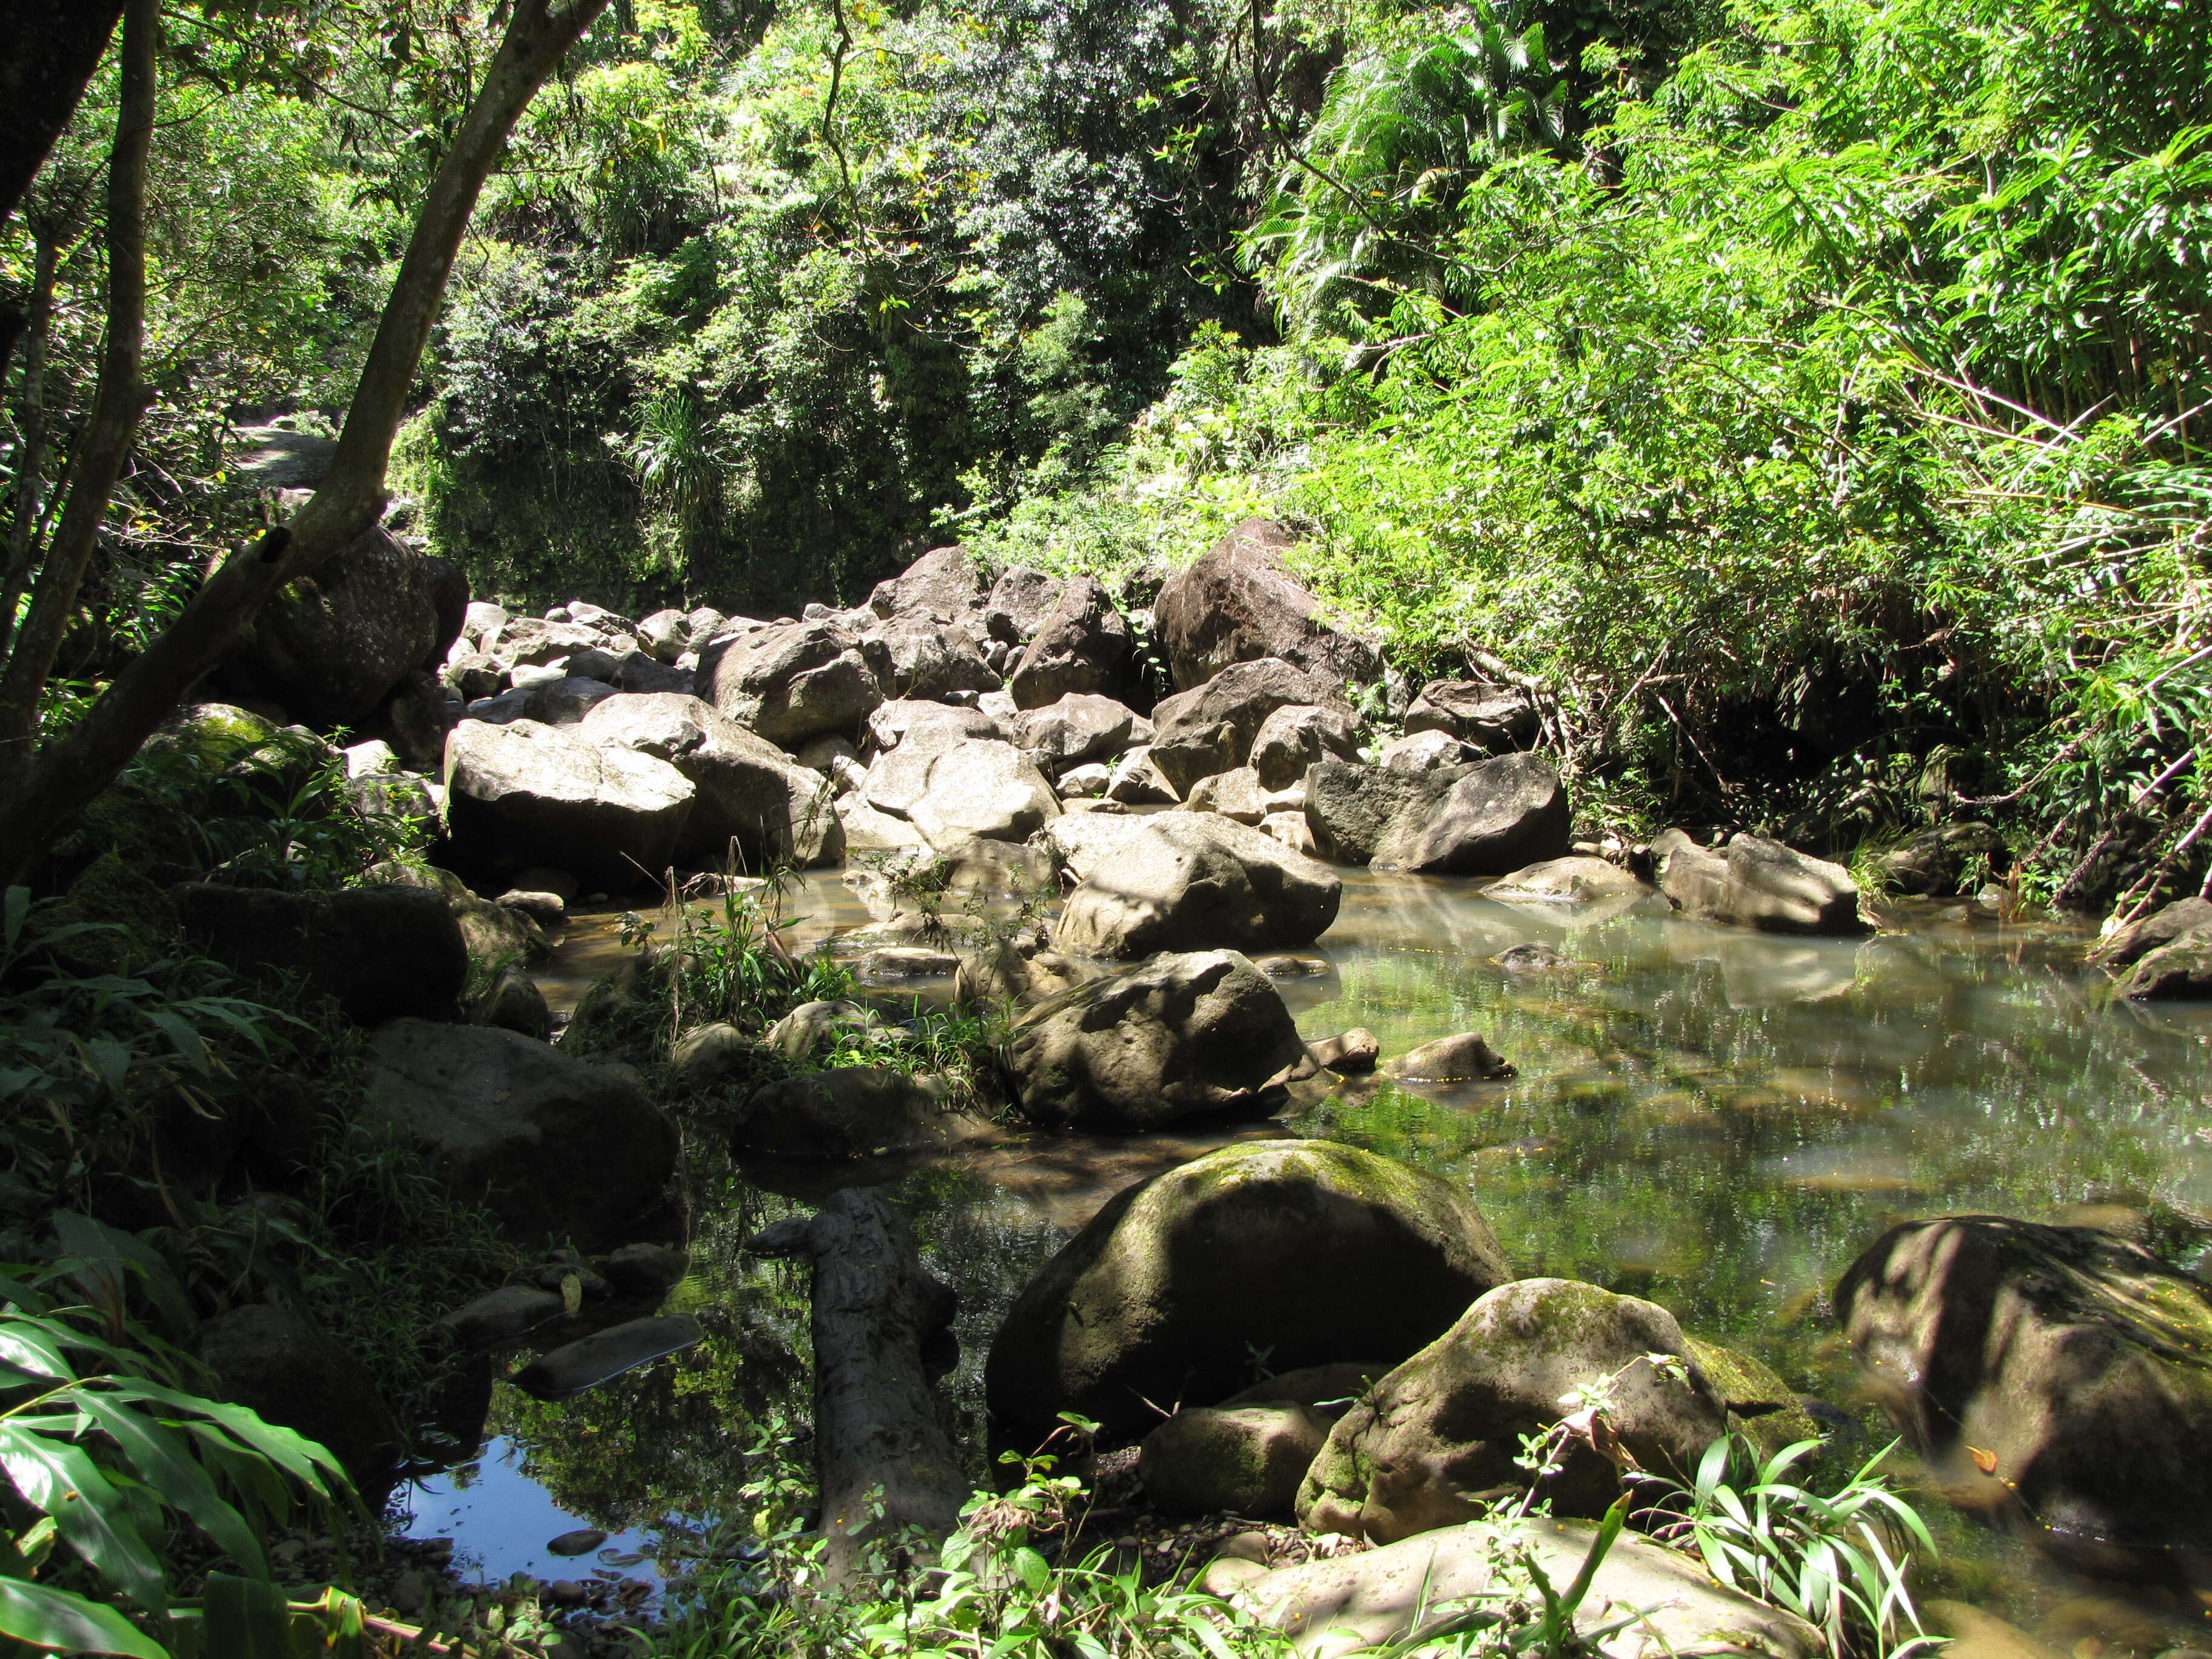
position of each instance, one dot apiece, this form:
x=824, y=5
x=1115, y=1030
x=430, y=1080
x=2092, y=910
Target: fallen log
x=890, y=1478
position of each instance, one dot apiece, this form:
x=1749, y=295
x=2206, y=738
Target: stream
x=1717, y=1120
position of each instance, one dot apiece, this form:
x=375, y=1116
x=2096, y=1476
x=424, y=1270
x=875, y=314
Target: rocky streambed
x=1717, y=1120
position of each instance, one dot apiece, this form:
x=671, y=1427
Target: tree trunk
x=37, y=797
x=117, y=404
x=48, y=52
x=31, y=422
x=885, y=1464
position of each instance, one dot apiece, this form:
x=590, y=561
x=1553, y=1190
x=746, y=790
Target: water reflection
x=1716, y=1119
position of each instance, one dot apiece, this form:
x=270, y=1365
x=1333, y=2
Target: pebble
x=566, y=1593
x=582, y=1541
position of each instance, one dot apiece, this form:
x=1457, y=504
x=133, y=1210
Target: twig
x=2158, y=874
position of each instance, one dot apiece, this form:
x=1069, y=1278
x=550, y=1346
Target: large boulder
x=2058, y=1374
x=1078, y=727
x=1644, y=1601
x=1239, y=603
x=908, y=736
x=1020, y=600
x=272, y=1362
x=331, y=647
x=1189, y=881
x=919, y=657
x=791, y=682
x=1309, y=1251
x=552, y=699
x=850, y=1111
x=495, y=934
x=556, y=1148
x=945, y=583
x=1432, y=1442
x=1296, y=735
x=1939, y=861
x=2181, y=969
x=747, y=791
x=1574, y=880
x=1082, y=644
x=546, y=794
x=982, y=789
x=378, y=952
x=1211, y=727
x=2129, y=944
x=1494, y=719
x=1486, y=819
x=1203, y=1031
x=1237, y=1460
x=1756, y=883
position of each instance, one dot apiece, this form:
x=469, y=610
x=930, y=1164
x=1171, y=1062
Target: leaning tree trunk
x=889, y=1477
x=48, y=52
x=43, y=787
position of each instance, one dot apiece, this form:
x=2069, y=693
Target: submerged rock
x=1575, y=880
x=1184, y=881
x=572, y=1367
x=1433, y=1442
x=1307, y=1250
x=2075, y=1363
x=1349, y=1053
x=1200, y=1032
x=1465, y=1058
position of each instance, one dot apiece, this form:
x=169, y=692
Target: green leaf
x=246, y=1619
x=61, y=1481
x=64, y=1623
x=27, y=1347
x=160, y=1458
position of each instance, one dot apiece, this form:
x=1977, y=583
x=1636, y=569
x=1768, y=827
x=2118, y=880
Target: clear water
x=1714, y=1119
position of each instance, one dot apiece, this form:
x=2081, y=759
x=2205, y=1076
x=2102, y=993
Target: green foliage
x=1837, y=1560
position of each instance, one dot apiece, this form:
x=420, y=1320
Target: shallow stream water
x=1714, y=1119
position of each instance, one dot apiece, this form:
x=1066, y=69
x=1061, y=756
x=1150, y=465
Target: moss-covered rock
x=1761, y=1407
x=2061, y=1373
x=1240, y=1460
x=1434, y=1442
x=1303, y=1252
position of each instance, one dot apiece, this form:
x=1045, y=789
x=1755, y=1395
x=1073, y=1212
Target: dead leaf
x=1986, y=1462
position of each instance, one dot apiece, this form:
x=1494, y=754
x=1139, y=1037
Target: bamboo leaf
x=88, y=1511
x=62, y=1623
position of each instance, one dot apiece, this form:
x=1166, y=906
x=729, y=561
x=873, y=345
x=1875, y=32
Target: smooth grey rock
x=533, y=791
x=500, y=1315
x=1465, y=1058
x=1756, y=883
x=813, y=1026
x=980, y=788
x=1186, y=881
x=789, y=683
x=1082, y=644
x=1572, y=880
x=1240, y=1460
x=1498, y=815
x=568, y=1370
x=582, y=1541
x=1198, y=1032
x=851, y=1111
x=1239, y=603
x=1211, y=728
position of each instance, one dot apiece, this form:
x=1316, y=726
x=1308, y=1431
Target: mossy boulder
x=2062, y=1374
x=1238, y=1460
x=1763, y=1408
x=1433, y=1444
x=1305, y=1251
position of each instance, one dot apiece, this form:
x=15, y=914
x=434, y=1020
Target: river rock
x=273, y=1362
x=643, y=1268
x=1329, y=1390
x=751, y=803
x=1019, y=971
x=1493, y=719
x=1088, y=842
x=474, y=676
x=1307, y=1250
x=1351, y=809
x=947, y=582
x=1756, y=883
x=1238, y=793
x=1239, y=603
x=1433, y=1440
x=497, y=935
x=1136, y=782
x=377, y=951
x=1465, y=1058
x=851, y=1111
x=1934, y=863
x=867, y=830
x=1761, y=1407
x=553, y=1146
x=1186, y=881
x=916, y=657
x=2183, y=968
x=582, y=1541
x=666, y=634
x=980, y=788
x=512, y=1002
x=480, y=617
x=2073, y=1359
x=1211, y=728
x=1240, y=1460
x=1349, y=1053
x=535, y=641
x=547, y=792
x=1337, y=1606
x=1296, y=735
x=789, y=683
x=813, y=1027
x=1201, y=1032
x=332, y=647
x=908, y=736
x=502, y=1314
x=1424, y=751
x=1574, y=880
x=2130, y=944
x=1498, y=815
x=1019, y=602
x=1082, y=645
x=1290, y=829
x=563, y=1372
x=1078, y=727
x=553, y=698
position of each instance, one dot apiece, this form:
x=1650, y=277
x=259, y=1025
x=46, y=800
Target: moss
x=1762, y=1408
x=133, y=916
